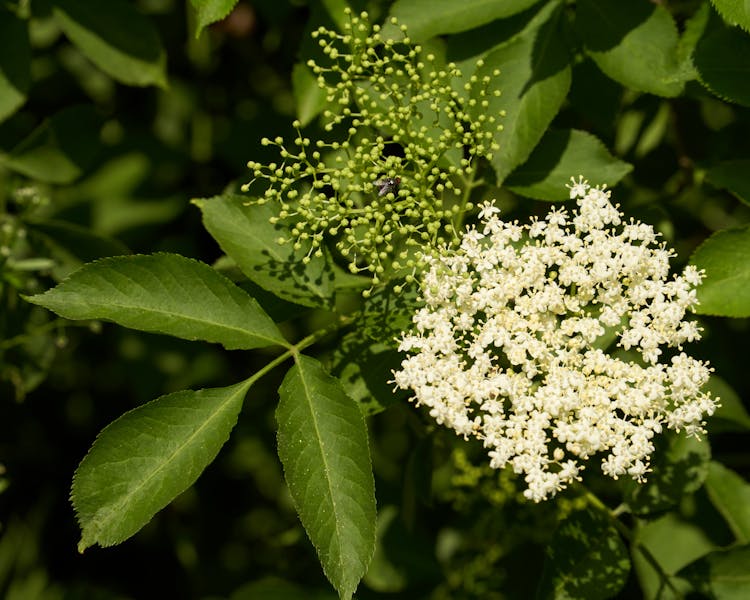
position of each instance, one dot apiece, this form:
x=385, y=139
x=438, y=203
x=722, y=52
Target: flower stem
x=470, y=183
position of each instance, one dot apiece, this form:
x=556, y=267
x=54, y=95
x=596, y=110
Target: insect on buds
x=387, y=184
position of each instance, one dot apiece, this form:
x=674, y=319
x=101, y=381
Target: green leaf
x=731, y=415
x=561, y=155
x=387, y=314
x=679, y=466
x=244, y=231
x=723, y=574
x=210, y=11
x=534, y=80
x=364, y=368
x=585, y=559
x=732, y=175
x=725, y=291
x=309, y=96
x=734, y=12
x=335, y=11
x=15, y=63
x=60, y=149
x=673, y=543
x=693, y=30
x=119, y=40
x=164, y=293
x=428, y=18
x=143, y=460
x=722, y=58
x=80, y=242
x=322, y=443
x=730, y=494
x=635, y=43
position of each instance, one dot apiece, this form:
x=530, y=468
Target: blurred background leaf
x=121, y=41
x=15, y=63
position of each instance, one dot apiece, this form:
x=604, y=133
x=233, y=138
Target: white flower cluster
x=510, y=345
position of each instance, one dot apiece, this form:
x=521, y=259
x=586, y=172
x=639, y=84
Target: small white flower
x=487, y=209
x=578, y=188
x=508, y=345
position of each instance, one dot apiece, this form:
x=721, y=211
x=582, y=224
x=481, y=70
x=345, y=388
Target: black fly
x=387, y=184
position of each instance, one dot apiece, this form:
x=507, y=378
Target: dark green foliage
x=128, y=129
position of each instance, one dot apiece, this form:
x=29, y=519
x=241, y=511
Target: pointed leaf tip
x=143, y=460
x=322, y=444
x=164, y=293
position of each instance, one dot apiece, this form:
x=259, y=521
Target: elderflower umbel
x=509, y=345
x=396, y=115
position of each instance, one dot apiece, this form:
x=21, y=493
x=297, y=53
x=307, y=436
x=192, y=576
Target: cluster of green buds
x=408, y=134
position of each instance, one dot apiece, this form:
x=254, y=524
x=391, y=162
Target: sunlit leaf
x=534, y=79
x=322, y=443
x=730, y=494
x=244, y=231
x=561, y=155
x=428, y=18
x=143, y=460
x=725, y=291
x=121, y=41
x=15, y=63
x=210, y=11
x=164, y=293
x=585, y=559
x=633, y=42
x=734, y=12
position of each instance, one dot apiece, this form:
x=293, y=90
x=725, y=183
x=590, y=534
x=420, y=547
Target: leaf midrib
x=326, y=468
x=114, y=508
x=184, y=317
